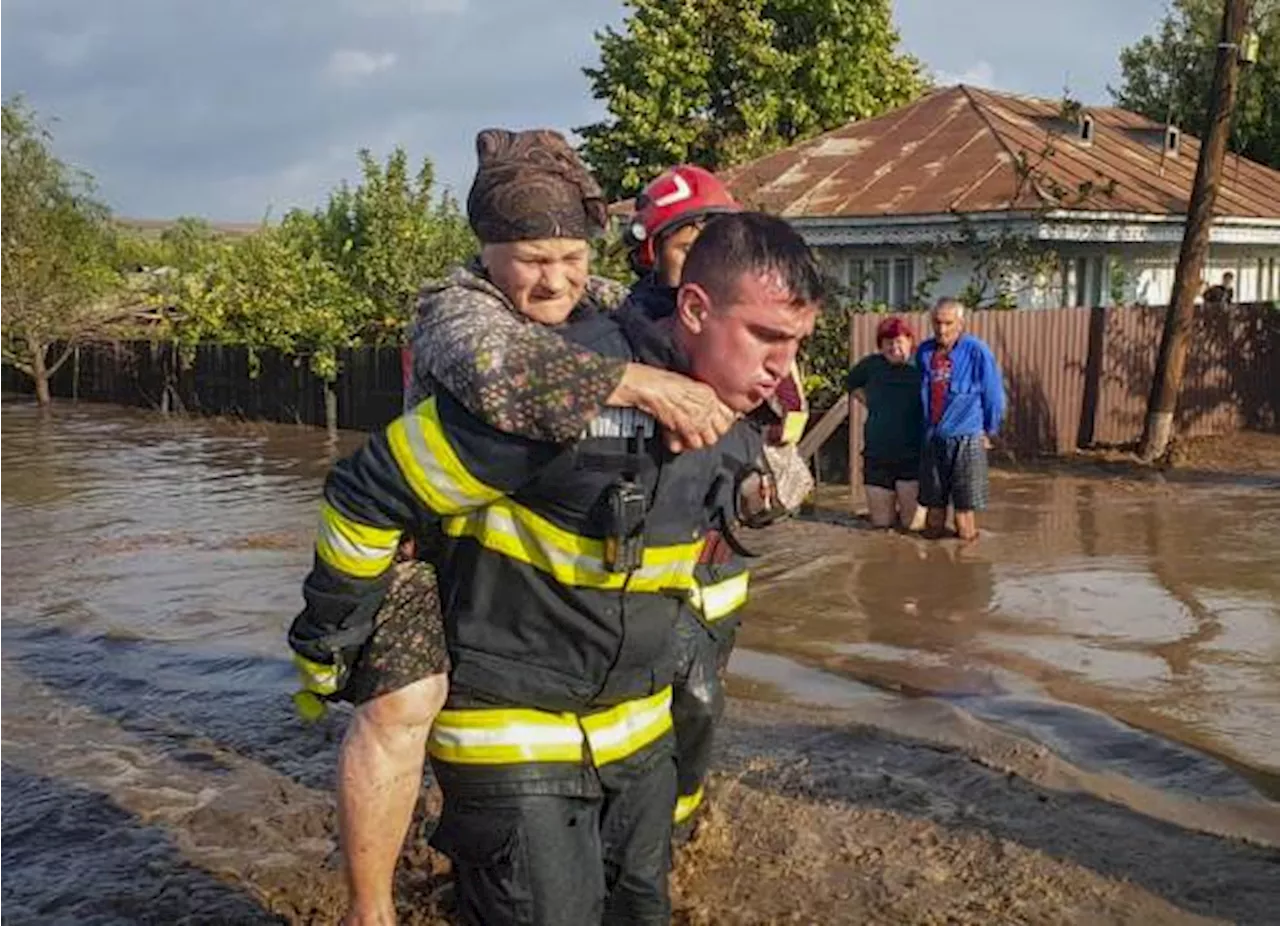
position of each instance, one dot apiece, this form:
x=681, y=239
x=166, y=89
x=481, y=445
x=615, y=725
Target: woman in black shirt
x=888, y=384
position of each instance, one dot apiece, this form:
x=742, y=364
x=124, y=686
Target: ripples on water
x=152, y=565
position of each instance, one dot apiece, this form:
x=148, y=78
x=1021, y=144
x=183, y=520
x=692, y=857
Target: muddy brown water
x=152, y=768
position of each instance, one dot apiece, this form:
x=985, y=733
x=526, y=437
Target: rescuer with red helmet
x=670, y=212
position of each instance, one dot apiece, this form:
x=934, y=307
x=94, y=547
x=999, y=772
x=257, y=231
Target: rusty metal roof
x=959, y=148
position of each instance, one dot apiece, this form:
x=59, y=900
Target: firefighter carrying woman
x=587, y=570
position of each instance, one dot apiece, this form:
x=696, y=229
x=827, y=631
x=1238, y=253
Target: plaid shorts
x=953, y=470
x=408, y=642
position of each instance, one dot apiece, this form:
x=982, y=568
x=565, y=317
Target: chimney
x=1086, y=129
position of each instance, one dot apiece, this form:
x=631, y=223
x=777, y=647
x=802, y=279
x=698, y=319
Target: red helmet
x=675, y=198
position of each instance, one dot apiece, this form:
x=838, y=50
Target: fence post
x=1093, y=375
x=856, y=492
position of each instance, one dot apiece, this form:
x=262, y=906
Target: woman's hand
x=690, y=413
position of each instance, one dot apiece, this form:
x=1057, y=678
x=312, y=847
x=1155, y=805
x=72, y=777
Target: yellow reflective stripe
x=503, y=736
x=504, y=744
x=430, y=465
x=721, y=599
x=686, y=804
x=353, y=548
x=516, y=532
x=793, y=424
x=620, y=731
x=317, y=677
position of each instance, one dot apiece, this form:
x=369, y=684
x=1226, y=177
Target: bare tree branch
x=57, y=364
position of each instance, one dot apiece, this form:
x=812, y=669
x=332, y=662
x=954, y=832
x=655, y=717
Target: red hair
x=894, y=327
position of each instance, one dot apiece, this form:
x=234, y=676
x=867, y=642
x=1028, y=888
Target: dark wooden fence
x=1080, y=377
x=1075, y=378
x=218, y=381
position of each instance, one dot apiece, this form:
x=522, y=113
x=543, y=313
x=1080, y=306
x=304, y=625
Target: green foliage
x=385, y=238
x=265, y=291
x=1118, y=282
x=824, y=358
x=718, y=82
x=341, y=275
x=1005, y=264
x=610, y=258
x=188, y=244
x=1168, y=75
x=58, y=250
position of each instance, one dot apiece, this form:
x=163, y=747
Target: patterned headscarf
x=531, y=185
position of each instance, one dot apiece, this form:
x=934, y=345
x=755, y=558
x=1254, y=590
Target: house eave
x=1137, y=228
x=1057, y=226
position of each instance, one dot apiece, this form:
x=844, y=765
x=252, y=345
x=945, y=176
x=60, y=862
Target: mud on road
x=118, y=816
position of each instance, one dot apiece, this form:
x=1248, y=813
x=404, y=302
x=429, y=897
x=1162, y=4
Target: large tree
x=718, y=82
x=58, y=254
x=1167, y=75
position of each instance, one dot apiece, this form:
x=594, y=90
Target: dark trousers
x=529, y=859
x=697, y=697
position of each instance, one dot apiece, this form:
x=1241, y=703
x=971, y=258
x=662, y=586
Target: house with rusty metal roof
x=1018, y=201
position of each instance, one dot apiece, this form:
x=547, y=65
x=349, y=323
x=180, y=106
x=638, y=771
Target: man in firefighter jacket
x=562, y=575
x=478, y=342
x=487, y=335
x=670, y=214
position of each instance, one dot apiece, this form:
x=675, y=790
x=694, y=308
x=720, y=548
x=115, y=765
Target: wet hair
x=740, y=243
x=891, y=328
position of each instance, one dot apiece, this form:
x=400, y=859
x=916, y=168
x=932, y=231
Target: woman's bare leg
x=909, y=511
x=880, y=506
x=379, y=777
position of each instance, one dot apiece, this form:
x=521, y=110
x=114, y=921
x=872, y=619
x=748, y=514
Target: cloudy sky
x=234, y=108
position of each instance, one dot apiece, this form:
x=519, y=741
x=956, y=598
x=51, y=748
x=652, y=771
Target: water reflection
x=1157, y=604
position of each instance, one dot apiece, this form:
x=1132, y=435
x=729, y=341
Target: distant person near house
x=887, y=382
x=963, y=396
x=1224, y=294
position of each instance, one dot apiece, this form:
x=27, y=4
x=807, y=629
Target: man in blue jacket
x=963, y=395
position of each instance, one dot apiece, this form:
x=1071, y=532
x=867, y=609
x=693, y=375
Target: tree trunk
x=40, y=373
x=331, y=410
x=1172, y=360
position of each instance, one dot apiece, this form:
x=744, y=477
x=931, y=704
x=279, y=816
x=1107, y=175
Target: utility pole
x=1172, y=360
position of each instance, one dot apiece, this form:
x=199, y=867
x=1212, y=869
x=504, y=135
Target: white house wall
x=1146, y=272
x=1256, y=270
x=953, y=276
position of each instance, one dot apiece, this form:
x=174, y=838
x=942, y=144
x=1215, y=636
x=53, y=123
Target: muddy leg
x=909, y=510
x=379, y=776
x=935, y=523
x=880, y=506
x=967, y=525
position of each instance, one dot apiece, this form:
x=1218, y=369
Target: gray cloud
x=232, y=108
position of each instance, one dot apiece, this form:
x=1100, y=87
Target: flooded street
x=1156, y=604
x=1110, y=637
